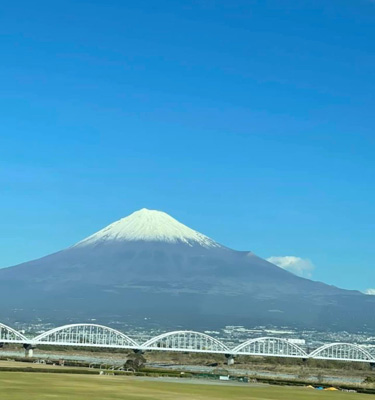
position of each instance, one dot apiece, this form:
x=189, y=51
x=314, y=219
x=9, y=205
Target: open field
x=29, y=365
x=37, y=386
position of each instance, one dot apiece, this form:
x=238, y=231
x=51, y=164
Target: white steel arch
x=186, y=341
x=270, y=346
x=93, y=335
x=86, y=335
x=342, y=351
x=10, y=335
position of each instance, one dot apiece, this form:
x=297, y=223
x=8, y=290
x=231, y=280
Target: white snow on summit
x=149, y=225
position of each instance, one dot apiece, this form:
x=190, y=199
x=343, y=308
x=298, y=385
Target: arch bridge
x=9, y=335
x=99, y=336
x=270, y=346
x=86, y=335
x=186, y=341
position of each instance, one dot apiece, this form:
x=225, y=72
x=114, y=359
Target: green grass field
x=37, y=386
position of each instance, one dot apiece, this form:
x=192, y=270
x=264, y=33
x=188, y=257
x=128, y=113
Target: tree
x=135, y=363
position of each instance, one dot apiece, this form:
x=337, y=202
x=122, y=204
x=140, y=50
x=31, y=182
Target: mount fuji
x=150, y=266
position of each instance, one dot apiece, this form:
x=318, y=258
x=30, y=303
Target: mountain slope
x=148, y=264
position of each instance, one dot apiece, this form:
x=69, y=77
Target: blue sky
x=250, y=121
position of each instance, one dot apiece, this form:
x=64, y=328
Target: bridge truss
x=342, y=352
x=270, y=346
x=93, y=335
x=9, y=335
x=186, y=341
x=86, y=335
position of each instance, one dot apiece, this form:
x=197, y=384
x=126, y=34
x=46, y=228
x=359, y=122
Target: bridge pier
x=29, y=350
x=230, y=359
x=372, y=366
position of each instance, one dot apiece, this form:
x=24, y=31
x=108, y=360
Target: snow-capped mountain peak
x=152, y=226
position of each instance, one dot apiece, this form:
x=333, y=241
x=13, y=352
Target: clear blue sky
x=250, y=121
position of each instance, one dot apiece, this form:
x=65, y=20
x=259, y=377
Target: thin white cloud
x=370, y=291
x=297, y=265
